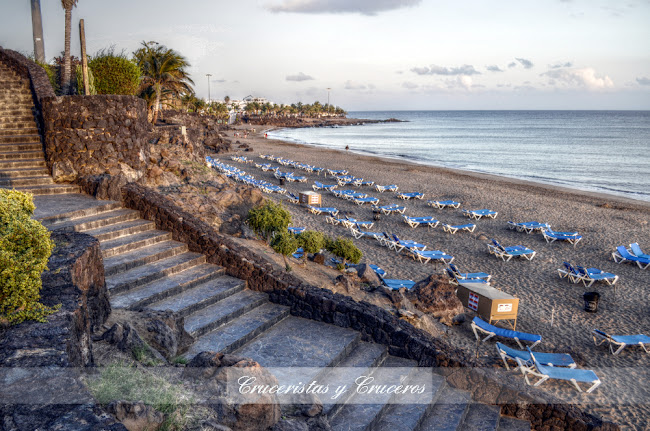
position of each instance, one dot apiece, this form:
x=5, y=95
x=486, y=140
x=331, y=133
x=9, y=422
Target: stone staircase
x=145, y=268
x=22, y=161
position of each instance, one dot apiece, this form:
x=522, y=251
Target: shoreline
x=565, y=190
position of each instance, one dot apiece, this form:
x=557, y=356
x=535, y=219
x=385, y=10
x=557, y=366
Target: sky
x=378, y=54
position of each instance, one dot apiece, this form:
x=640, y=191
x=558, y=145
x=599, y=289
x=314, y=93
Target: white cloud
x=643, y=80
x=525, y=62
x=410, y=85
x=494, y=68
x=364, y=7
x=299, y=77
x=560, y=65
x=352, y=85
x=465, y=69
x=578, y=78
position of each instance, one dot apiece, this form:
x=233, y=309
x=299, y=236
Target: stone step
x=402, y=415
x=360, y=361
x=51, y=189
x=6, y=148
x=166, y=287
x=298, y=342
x=26, y=181
x=22, y=163
x=104, y=216
x=21, y=127
x=235, y=334
x=133, y=242
x=17, y=110
x=20, y=139
x=23, y=172
x=481, y=417
x=20, y=155
x=201, y=296
x=7, y=119
x=361, y=415
x=512, y=424
x=206, y=319
x=449, y=411
x=22, y=99
x=118, y=230
x=142, y=275
x=14, y=85
x=143, y=256
x=53, y=210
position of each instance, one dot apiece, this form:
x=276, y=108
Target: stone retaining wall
x=375, y=323
x=40, y=362
x=96, y=134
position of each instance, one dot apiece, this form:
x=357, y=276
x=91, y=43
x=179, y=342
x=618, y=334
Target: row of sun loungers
x=588, y=276
x=632, y=255
x=241, y=176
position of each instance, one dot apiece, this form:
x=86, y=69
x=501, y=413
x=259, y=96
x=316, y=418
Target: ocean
x=601, y=151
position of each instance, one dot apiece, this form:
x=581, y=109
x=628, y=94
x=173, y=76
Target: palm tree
x=65, y=76
x=163, y=69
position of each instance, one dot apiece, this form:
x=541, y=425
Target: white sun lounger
x=469, y=227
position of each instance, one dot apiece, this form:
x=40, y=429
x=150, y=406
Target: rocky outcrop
x=203, y=130
x=239, y=411
x=136, y=416
x=434, y=295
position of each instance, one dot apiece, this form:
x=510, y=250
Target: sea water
x=603, y=151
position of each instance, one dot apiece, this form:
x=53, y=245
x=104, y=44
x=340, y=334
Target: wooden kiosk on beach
x=491, y=304
x=309, y=198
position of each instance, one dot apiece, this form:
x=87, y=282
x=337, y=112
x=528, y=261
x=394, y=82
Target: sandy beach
x=549, y=306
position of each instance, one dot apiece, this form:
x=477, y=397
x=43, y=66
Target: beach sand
x=549, y=306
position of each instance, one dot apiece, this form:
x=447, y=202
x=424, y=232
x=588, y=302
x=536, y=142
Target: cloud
x=578, y=78
x=560, y=65
x=643, y=80
x=465, y=69
x=363, y=7
x=299, y=77
x=494, y=68
x=524, y=62
x=410, y=85
x=351, y=85
x=511, y=65
x=218, y=81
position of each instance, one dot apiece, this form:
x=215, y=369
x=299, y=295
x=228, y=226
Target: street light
x=208, y=75
x=328, y=99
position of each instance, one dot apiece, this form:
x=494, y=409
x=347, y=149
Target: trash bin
x=282, y=181
x=591, y=301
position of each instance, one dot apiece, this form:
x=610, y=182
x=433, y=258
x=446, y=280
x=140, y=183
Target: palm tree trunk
x=155, y=107
x=65, y=77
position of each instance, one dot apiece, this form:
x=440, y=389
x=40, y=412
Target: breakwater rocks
x=300, y=122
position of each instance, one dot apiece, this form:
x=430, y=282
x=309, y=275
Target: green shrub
x=51, y=74
x=80, y=81
x=311, y=241
x=346, y=250
x=285, y=243
x=114, y=73
x=269, y=218
x=25, y=247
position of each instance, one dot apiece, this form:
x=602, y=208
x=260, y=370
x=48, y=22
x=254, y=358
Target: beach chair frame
x=601, y=337
x=545, y=373
x=479, y=325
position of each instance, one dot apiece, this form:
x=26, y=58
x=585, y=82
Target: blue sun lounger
x=407, y=196
x=299, y=253
x=477, y=214
x=320, y=186
x=296, y=230
x=636, y=249
x=528, y=227
x=424, y=256
x=507, y=253
x=366, y=200
x=455, y=280
x=319, y=210
x=524, y=361
x=469, y=227
x=481, y=325
x=357, y=234
x=622, y=254
x=395, y=284
x=388, y=209
x=573, y=375
x=621, y=341
x=570, y=237
x=418, y=221
x=443, y=204
x=592, y=275
x=390, y=188
x=469, y=275
x=380, y=272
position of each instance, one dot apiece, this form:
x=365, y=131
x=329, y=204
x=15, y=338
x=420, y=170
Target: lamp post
x=37, y=30
x=208, y=75
x=328, y=99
